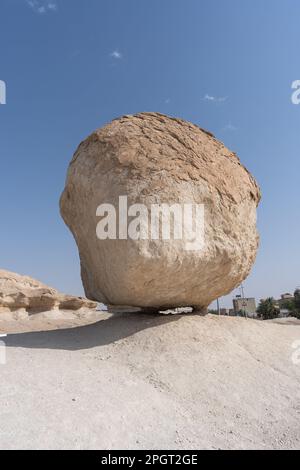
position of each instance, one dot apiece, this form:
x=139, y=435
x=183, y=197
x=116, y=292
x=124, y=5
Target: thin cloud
x=75, y=53
x=52, y=6
x=215, y=99
x=116, y=55
x=229, y=127
x=42, y=6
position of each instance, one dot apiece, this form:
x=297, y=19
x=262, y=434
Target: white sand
x=136, y=381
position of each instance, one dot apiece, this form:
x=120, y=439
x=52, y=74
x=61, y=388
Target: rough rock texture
x=22, y=294
x=155, y=159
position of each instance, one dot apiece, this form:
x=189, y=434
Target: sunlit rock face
x=160, y=163
x=24, y=295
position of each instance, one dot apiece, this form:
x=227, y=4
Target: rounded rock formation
x=24, y=294
x=161, y=164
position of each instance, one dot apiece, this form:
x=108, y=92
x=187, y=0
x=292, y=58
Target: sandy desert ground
x=134, y=381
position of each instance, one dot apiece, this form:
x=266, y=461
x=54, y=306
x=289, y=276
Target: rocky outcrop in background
x=24, y=293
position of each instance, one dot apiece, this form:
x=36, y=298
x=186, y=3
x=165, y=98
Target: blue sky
x=72, y=65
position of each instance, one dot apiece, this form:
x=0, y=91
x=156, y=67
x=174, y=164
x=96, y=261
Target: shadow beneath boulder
x=286, y=321
x=109, y=330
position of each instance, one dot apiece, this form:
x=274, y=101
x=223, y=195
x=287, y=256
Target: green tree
x=213, y=312
x=297, y=303
x=297, y=298
x=289, y=305
x=267, y=309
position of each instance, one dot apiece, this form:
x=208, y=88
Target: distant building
x=227, y=311
x=224, y=311
x=283, y=313
x=246, y=305
x=284, y=299
x=282, y=305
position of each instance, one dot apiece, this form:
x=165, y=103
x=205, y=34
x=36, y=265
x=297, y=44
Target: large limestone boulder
x=152, y=159
x=22, y=294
